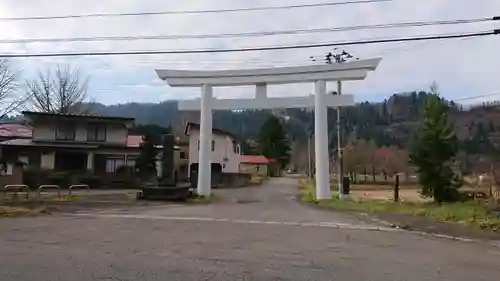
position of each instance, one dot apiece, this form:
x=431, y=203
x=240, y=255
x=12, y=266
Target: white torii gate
x=319, y=74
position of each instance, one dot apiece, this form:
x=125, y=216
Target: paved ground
x=251, y=234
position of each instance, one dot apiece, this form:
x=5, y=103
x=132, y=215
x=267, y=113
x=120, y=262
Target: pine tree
x=272, y=141
x=433, y=151
x=247, y=147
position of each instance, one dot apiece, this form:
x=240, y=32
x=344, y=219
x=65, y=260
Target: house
x=69, y=142
x=254, y=164
x=225, y=156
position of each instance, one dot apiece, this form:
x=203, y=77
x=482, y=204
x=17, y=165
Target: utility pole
x=309, y=130
x=329, y=59
x=309, y=166
x=340, y=175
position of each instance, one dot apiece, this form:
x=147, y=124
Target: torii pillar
x=317, y=74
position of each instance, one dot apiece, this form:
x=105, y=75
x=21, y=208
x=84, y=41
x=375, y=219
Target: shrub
x=34, y=177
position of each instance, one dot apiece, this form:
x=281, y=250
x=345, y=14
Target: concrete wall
x=44, y=132
x=224, y=152
x=81, y=132
x=15, y=176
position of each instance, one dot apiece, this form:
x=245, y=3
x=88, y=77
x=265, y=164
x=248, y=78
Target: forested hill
x=391, y=122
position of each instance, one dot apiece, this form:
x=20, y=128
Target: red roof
x=15, y=131
x=253, y=159
x=134, y=140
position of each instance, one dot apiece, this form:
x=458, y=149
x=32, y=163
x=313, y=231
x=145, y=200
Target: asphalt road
x=251, y=234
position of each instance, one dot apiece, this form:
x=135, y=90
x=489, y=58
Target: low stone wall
x=10, y=179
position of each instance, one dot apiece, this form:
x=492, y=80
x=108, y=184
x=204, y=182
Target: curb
x=494, y=243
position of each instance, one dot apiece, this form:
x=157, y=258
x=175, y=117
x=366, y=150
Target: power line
x=264, y=48
x=266, y=8
x=249, y=34
x=477, y=97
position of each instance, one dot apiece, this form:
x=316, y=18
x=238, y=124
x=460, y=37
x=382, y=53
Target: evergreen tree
x=272, y=141
x=491, y=127
x=432, y=154
x=146, y=162
x=481, y=134
x=247, y=147
x=155, y=132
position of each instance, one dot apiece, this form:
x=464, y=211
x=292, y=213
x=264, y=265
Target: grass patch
x=201, y=199
x=466, y=213
x=7, y=211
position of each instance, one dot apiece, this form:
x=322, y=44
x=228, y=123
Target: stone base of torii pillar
x=318, y=74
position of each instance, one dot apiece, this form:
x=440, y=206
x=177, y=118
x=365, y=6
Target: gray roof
x=216, y=131
x=29, y=142
x=71, y=115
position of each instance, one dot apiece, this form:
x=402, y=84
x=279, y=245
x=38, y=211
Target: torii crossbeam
x=318, y=74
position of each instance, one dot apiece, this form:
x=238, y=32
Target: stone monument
x=166, y=187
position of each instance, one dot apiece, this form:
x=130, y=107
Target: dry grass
x=7, y=211
x=375, y=186
x=467, y=213
x=65, y=198
x=405, y=195
x=257, y=180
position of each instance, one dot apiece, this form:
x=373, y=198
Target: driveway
x=257, y=233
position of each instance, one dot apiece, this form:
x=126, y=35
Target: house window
x=131, y=163
x=24, y=158
x=96, y=132
x=236, y=148
x=65, y=132
x=182, y=155
x=113, y=164
x=213, y=145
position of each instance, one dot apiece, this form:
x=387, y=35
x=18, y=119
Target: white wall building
x=225, y=149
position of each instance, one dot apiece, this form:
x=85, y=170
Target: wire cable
x=477, y=97
x=248, y=34
x=263, y=48
x=267, y=8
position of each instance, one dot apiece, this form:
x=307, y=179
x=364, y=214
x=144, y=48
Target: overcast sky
x=460, y=67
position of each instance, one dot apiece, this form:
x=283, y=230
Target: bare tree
x=358, y=157
x=179, y=124
x=392, y=161
x=351, y=156
x=61, y=92
x=367, y=150
x=299, y=156
x=10, y=100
